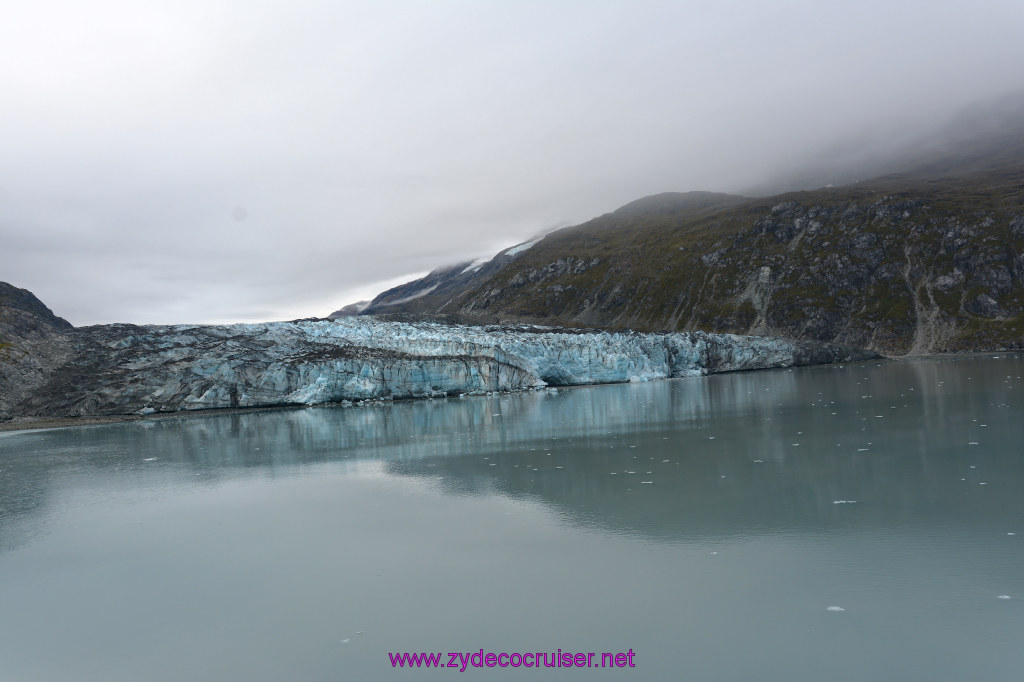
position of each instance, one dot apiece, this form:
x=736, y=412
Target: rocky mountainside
x=33, y=343
x=51, y=369
x=930, y=259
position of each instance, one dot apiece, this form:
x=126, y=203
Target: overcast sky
x=203, y=161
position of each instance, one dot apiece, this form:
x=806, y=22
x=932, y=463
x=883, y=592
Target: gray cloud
x=214, y=161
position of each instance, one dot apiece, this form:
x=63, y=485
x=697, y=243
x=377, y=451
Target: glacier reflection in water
x=856, y=522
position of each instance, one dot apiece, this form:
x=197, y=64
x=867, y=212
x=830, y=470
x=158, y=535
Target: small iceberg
x=835, y=608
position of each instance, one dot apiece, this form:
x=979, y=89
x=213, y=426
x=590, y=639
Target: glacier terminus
x=123, y=369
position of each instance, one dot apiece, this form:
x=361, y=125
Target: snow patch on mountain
x=477, y=264
x=515, y=250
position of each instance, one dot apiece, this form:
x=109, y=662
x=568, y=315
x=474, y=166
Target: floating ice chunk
x=647, y=481
x=972, y=443
x=1011, y=533
x=844, y=501
x=835, y=608
x=863, y=449
x=149, y=459
x=1004, y=596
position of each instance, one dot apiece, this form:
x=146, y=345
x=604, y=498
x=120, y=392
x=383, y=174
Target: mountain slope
x=929, y=259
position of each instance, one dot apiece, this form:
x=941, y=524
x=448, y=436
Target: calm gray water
x=706, y=524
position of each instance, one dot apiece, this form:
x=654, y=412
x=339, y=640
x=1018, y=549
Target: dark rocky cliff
x=33, y=343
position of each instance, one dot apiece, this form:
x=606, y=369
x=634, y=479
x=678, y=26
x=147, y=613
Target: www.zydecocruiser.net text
x=461, y=660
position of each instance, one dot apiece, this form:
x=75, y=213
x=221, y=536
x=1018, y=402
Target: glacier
x=129, y=369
